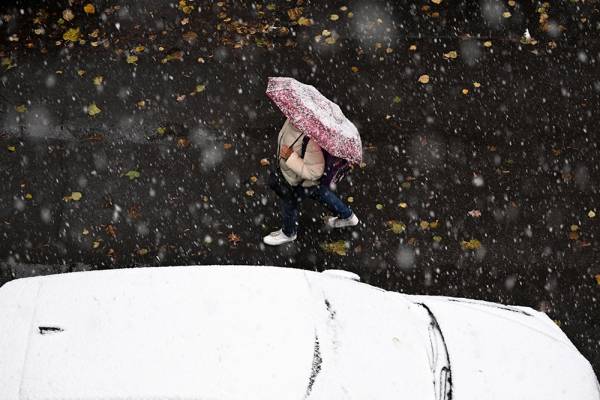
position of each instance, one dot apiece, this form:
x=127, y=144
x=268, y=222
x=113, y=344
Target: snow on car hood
x=210, y=332
x=157, y=333
x=503, y=352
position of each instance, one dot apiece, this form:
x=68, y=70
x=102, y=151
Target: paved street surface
x=480, y=175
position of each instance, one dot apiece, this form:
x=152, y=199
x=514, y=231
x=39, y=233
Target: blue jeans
x=289, y=209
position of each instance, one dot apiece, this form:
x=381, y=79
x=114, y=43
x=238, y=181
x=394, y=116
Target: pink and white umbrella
x=316, y=116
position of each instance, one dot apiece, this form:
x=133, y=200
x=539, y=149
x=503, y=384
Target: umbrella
x=316, y=116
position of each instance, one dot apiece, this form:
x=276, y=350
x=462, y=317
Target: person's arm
x=313, y=164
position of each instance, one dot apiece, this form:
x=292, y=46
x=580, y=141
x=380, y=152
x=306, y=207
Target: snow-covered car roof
x=240, y=332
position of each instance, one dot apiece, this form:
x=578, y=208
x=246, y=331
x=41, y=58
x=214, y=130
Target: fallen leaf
x=253, y=179
x=334, y=17
x=475, y=213
x=181, y=98
x=437, y=1
x=28, y=196
x=340, y=247
x=424, y=224
x=183, y=143
x=354, y=69
x=133, y=212
x=76, y=196
x=227, y=145
x=132, y=174
x=264, y=161
x=199, y=88
x=398, y=227
x=591, y=214
x=350, y=199
x=142, y=252
x=132, y=59
x=476, y=84
x=452, y=54
x=573, y=235
x=71, y=34
x=397, y=99
x=487, y=44
x=141, y=103
x=93, y=109
x=598, y=279
x=405, y=185
x=413, y=47
x=465, y=91
x=80, y=72
x=574, y=228
x=234, y=238
x=22, y=108
x=140, y=49
x=437, y=238
x=433, y=224
x=507, y=15
x=68, y=14
x=424, y=78
x=379, y=206
x=161, y=129
x=98, y=80
x=411, y=240
x=89, y=9
x=403, y=205
x=111, y=230
x=473, y=244
x=190, y=36
x=250, y=192
x=96, y=245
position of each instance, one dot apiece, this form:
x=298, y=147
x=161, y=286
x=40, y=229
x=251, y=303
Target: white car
x=241, y=332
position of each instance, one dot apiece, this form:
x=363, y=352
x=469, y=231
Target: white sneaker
x=336, y=222
x=278, y=237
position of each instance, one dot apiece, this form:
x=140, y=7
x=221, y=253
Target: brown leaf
x=227, y=145
x=183, y=142
x=96, y=138
x=133, y=212
x=111, y=230
x=475, y=213
x=411, y=240
x=573, y=235
x=234, y=238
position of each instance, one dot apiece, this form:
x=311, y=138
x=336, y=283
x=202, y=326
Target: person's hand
x=285, y=152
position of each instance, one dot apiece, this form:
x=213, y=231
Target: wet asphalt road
x=520, y=148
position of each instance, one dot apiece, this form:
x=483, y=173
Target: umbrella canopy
x=316, y=116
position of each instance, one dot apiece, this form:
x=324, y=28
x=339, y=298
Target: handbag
x=277, y=181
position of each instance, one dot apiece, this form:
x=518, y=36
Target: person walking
x=302, y=165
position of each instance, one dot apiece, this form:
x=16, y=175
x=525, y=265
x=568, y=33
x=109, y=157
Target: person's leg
x=289, y=210
x=289, y=216
x=331, y=201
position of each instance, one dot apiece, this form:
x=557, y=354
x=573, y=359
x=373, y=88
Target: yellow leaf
x=354, y=69
x=379, y=206
x=350, y=15
x=96, y=245
x=598, y=279
x=574, y=228
x=68, y=14
x=227, y=145
x=433, y=224
x=22, y=108
x=89, y=9
x=161, y=129
x=424, y=78
x=437, y=1
x=335, y=17
x=11, y=148
x=477, y=84
x=140, y=49
x=93, y=109
x=413, y=47
x=424, y=224
x=264, y=161
x=330, y=40
x=132, y=59
x=591, y=214
x=452, y=54
x=98, y=80
x=141, y=103
x=80, y=72
x=437, y=238
x=250, y=192
x=507, y=15
x=76, y=196
x=71, y=34
x=403, y=205
x=487, y=44
x=28, y=196
x=473, y=244
x=199, y=88
x=398, y=227
x=389, y=50
x=511, y=3
x=253, y=179
x=465, y=91
x=86, y=232
x=142, y=252
x=350, y=199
